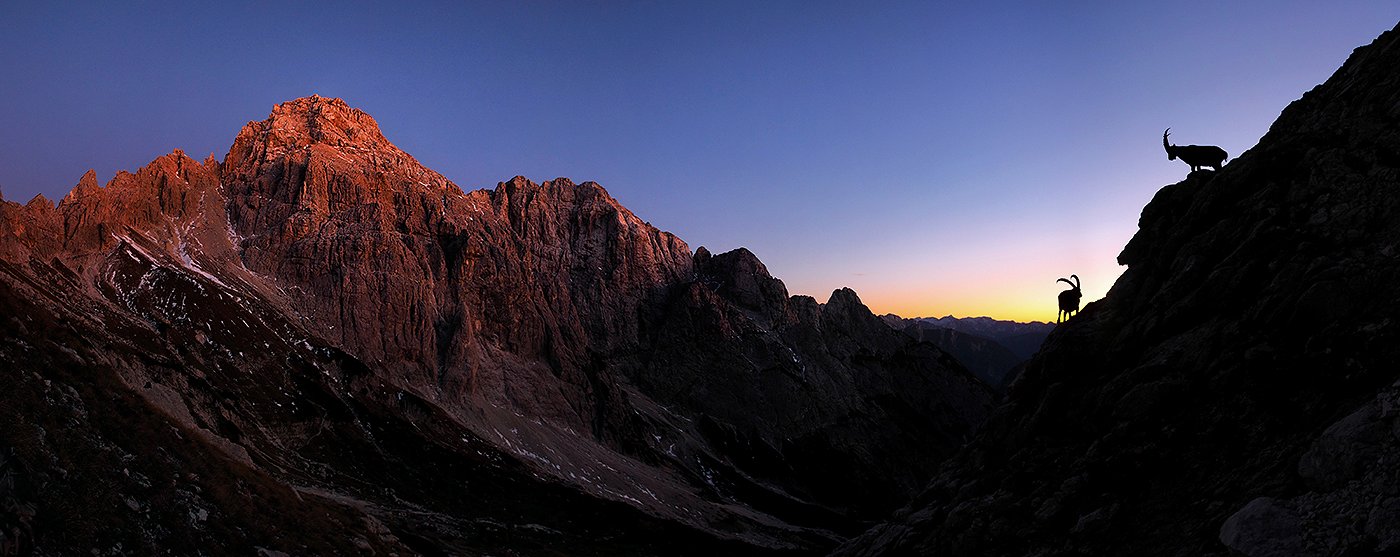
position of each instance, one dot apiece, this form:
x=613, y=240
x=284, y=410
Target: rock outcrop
x=320, y=331
x=1235, y=390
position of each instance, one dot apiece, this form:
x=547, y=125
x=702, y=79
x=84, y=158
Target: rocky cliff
x=318, y=330
x=1235, y=392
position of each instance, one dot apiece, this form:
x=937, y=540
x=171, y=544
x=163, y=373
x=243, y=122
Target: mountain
x=1022, y=339
x=1234, y=392
x=988, y=359
x=319, y=331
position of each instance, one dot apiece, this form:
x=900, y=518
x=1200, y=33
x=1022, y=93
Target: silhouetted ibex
x=1195, y=155
x=1069, y=299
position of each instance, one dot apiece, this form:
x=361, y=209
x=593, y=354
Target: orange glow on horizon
x=1009, y=299
x=1007, y=308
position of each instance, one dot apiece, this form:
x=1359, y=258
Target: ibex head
x=1170, y=155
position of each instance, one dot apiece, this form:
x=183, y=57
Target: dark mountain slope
x=155, y=442
x=1259, y=308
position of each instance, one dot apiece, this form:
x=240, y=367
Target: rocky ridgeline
x=319, y=331
x=1236, y=390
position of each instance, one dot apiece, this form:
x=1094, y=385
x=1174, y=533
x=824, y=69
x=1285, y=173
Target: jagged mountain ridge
x=320, y=315
x=1234, y=392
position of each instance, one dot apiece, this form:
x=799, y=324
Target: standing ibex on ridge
x=1195, y=155
x=1069, y=299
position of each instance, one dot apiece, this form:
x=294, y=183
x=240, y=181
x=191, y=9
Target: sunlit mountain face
x=319, y=318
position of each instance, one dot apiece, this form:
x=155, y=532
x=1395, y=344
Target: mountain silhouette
x=1022, y=339
x=1234, y=392
x=989, y=359
x=319, y=331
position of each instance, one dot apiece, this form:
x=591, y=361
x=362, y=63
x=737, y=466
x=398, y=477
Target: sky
x=941, y=158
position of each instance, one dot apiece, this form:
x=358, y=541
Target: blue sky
x=937, y=157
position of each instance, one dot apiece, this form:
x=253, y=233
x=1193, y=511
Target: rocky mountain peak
x=844, y=301
x=322, y=134
x=87, y=186
x=740, y=277
x=316, y=160
x=321, y=308
x=318, y=119
x=39, y=202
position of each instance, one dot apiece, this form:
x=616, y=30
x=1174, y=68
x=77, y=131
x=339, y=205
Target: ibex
x=1069, y=299
x=1195, y=155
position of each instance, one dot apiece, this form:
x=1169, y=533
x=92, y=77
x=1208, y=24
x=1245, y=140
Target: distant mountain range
x=1022, y=339
x=989, y=348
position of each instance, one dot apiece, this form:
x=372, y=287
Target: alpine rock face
x=317, y=330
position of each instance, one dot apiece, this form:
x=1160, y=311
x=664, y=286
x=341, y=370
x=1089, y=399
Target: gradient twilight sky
x=938, y=157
